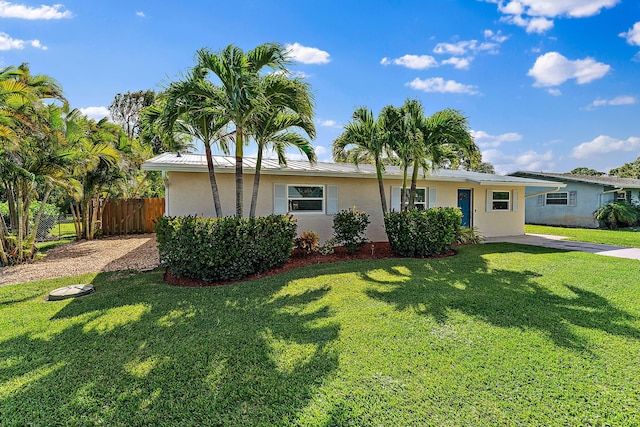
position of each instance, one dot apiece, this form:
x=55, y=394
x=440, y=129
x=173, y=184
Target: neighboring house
x=573, y=206
x=312, y=194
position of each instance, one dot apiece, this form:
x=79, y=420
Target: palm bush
x=615, y=214
x=469, y=236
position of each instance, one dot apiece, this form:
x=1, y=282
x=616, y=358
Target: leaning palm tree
x=240, y=82
x=274, y=126
x=366, y=140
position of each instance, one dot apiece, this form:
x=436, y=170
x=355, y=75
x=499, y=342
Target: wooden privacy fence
x=131, y=216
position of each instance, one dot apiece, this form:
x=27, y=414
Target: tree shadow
x=504, y=298
x=139, y=352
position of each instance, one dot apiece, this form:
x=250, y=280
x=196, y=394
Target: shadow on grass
x=138, y=352
x=504, y=298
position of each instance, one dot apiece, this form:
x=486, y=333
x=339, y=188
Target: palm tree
x=191, y=108
x=273, y=126
x=366, y=140
x=239, y=76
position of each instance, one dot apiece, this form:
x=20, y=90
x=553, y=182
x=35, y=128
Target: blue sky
x=546, y=84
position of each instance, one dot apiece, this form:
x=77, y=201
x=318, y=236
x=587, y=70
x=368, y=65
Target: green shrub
x=225, y=248
x=469, y=236
x=615, y=214
x=350, y=228
x=307, y=242
x=327, y=247
x=416, y=233
x=48, y=220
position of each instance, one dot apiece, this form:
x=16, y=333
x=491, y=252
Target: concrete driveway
x=559, y=242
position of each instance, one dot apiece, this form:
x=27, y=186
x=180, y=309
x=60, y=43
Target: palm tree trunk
x=20, y=224
x=11, y=201
x=403, y=194
x=3, y=233
x=77, y=219
x=383, y=199
x=256, y=184
x=36, y=222
x=239, y=178
x=414, y=183
x=212, y=181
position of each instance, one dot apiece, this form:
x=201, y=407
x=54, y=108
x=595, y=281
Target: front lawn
x=622, y=237
x=500, y=334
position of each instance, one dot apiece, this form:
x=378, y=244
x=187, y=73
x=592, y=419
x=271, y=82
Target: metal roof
x=607, y=181
x=226, y=164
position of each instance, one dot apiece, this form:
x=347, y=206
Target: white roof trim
x=172, y=162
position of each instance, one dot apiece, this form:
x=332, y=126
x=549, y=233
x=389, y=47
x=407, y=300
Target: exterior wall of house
x=190, y=193
x=589, y=197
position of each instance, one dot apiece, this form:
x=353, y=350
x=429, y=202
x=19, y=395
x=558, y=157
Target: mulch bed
x=376, y=250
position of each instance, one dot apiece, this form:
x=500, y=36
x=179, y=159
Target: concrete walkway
x=558, y=242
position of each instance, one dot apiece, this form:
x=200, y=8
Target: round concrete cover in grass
x=70, y=292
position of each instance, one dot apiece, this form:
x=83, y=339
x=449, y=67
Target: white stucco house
x=313, y=193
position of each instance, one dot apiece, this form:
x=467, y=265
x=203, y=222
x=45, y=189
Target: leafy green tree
x=190, y=108
x=126, y=107
x=586, y=171
x=365, y=139
x=484, y=167
x=628, y=170
x=31, y=160
x=241, y=95
x=614, y=214
x=275, y=126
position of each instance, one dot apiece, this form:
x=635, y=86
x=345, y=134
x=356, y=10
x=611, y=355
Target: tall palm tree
x=275, y=126
x=240, y=81
x=366, y=140
x=192, y=109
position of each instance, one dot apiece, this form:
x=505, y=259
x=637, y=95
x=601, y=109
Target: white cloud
x=530, y=160
x=438, y=84
x=470, y=46
x=485, y=140
x=414, y=62
x=633, y=35
x=320, y=150
x=605, y=145
x=459, y=63
x=330, y=124
x=38, y=45
x=308, y=55
x=553, y=69
x=11, y=10
x=554, y=92
x=618, y=100
x=140, y=14
x=536, y=15
x=9, y=43
x=96, y=113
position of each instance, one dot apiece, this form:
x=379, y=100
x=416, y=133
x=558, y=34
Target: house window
x=420, y=199
x=305, y=198
x=500, y=200
x=557, y=198
x=621, y=196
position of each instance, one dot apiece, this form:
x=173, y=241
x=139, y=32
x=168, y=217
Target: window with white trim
x=558, y=198
x=419, y=200
x=621, y=196
x=305, y=198
x=500, y=200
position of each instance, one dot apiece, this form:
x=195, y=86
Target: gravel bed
x=137, y=252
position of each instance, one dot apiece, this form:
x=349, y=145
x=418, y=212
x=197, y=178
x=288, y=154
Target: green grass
x=623, y=237
x=500, y=334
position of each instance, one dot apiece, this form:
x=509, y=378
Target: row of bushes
x=226, y=248
x=231, y=248
x=416, y=233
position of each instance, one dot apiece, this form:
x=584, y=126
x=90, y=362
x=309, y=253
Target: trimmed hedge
x=416, y=233
x=350, y=229
x=227, y=248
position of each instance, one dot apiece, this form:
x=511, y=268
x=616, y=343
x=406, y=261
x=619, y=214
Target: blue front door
x=464, y=203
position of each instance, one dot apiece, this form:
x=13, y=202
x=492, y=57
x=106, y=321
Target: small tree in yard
x=615, y=214
x=349, y=229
